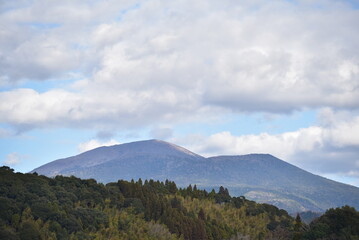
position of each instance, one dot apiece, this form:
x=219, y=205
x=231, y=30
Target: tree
x=297, y=235
x=223, y=195
x=201, y=215
x=8, y=233
x=29, y=231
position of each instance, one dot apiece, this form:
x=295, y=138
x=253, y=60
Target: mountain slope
x=151, y=159
x=260, y=177
x=264, y=178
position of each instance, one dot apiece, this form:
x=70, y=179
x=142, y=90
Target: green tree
x=201, y=215
x=29, y=231
x=297, y=235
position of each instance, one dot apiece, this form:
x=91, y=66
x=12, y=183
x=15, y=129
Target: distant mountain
x=150, y=159
x=260, y=177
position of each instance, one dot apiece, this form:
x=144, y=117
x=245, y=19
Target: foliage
x=37, y=207
x=338, y=223
x=308, y=216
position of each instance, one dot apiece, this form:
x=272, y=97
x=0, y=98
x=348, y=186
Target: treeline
x=339, y=223
x=37, y=207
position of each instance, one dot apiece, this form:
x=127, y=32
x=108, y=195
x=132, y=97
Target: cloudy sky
x=216, y=77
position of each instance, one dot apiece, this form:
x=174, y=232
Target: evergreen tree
x=72, y=208
x=201, y=215
x=297, y=235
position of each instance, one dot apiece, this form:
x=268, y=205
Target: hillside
x=265, y=178
x=259, y=177
x=37, y=207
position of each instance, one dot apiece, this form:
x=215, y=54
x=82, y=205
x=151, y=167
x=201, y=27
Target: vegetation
x=38, y=207
x=308, y=216
x=340, y=223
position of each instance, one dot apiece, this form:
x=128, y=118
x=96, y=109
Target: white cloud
x=93, y=143
x=12, y=159
x=159, y=61
x=28, y=107
x=329, y=149
x=282, y=145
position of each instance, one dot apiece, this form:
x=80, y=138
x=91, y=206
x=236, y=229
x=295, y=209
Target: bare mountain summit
x=260, y=177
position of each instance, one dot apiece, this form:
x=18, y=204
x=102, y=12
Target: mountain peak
x=160, y=145
x=139, y=151
x=260, y=177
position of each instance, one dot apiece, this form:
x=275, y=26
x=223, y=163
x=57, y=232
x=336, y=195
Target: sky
x=216, y=77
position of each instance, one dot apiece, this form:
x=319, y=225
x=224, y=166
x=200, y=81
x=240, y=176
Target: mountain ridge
x=260, y=177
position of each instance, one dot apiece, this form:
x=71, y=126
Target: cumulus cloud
x=44, y=40
x=281, y=145
x=94, y=143
x=328, y=149
x=166, y=61
x=12, y=159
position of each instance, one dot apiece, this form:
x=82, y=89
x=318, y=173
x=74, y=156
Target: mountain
x=259, y=177
x=152, y=159
x=265, y=178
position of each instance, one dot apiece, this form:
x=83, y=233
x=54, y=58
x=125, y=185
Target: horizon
x=187, y=151
x=271, y=77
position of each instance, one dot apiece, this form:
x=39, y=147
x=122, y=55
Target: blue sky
x=39, y=146
x=278, y=77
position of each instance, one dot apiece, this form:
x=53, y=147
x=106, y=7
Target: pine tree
x=201, y=215
x=297, y=235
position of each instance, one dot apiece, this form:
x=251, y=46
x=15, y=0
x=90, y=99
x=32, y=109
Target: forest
x=38, y=207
